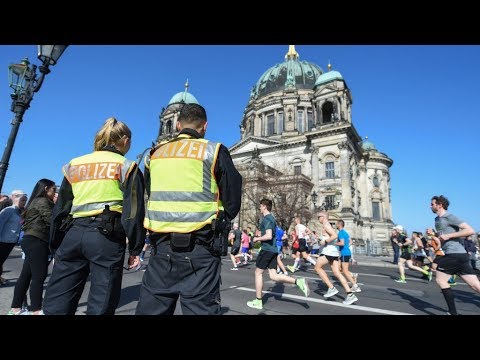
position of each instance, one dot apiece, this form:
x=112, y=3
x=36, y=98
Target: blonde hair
x=111, y=133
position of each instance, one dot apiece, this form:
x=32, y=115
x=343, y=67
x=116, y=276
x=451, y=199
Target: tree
x=289, y=194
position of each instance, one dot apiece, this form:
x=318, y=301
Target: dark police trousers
x=194, y=276
x=85, y=251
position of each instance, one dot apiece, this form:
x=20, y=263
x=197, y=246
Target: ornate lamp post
x=24, y=82
x=314, y=197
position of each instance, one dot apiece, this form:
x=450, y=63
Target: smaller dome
x=183, y=97
x=367, y=145
x=328, y=76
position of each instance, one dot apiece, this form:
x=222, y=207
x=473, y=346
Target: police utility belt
x=216, y=243
x=107, y=222
x=180, y=242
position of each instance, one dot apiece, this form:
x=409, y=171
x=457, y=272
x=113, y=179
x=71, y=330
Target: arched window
x=376, y=200
x=280, y=123
x=327, y=111
x=330, y=169
x=376, y=210
x=297, y=166
x=330, y=202
x=270, y=125
x=300, y=127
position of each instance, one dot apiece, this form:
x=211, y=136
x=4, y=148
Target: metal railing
x=372, y=248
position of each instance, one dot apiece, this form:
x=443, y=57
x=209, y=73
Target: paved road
x=380, y=294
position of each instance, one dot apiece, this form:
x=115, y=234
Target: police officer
x=189, y=181
x=103, y=193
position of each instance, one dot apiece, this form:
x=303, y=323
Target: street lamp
x=314, y=200
x=24, y=82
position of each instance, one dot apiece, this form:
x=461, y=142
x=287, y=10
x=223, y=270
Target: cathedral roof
x=367, y=145
x=328, y=76
x=183, y=97
x=291, y=73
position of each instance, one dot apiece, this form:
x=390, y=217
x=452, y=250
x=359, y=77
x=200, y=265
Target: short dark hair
x=267, y=203
x=341, y=222
x=442, y=200
x=192, y=114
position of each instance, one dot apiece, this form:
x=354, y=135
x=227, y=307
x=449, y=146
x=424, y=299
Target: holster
x=181, y=242
x=219, y=246
x=107, y=221
x=66, y=224
x=221, y=227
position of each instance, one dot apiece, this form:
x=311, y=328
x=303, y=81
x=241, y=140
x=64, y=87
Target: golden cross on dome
x=291, y=54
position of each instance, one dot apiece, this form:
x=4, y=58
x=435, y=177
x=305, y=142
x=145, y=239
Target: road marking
x=330, y=273
x=326, y=302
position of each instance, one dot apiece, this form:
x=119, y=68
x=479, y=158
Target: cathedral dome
x=327, y=77
x=183, y=97
x=303, y=75
x=367, y=145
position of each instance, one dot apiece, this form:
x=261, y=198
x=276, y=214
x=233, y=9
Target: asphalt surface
x=380, y=295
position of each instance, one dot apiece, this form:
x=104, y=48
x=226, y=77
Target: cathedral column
x=305, y=121
x=276, y=130
x=344, y=107
x=257, y=125
x=174, y=120
x=345, y=174
x=386, y=196
x=320, y=112
x=263, y=126
x=364, y=190
x=315, y=171
x=339, y=108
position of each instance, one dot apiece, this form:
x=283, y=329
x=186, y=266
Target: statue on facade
x=253, y=93
x=290, y=83
x=255, y=153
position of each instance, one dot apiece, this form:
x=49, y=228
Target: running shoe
x=256, y=304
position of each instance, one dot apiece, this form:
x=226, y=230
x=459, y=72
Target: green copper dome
x=183, y=97
x=328, y=76
x=292, y=73
x=367, y=145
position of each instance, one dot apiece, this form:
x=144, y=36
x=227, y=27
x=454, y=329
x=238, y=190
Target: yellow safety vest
x=184, y=194
x=96, y=181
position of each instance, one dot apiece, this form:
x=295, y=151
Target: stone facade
x=299, y=139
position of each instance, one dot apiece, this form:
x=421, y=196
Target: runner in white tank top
x=330, y=255
x=330, y=248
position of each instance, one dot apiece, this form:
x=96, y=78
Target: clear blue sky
x=418, y=104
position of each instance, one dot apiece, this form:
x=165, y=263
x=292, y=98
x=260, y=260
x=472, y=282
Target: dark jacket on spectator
x=38, y=217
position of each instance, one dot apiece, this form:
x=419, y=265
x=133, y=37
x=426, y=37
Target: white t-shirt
x=300, y=230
